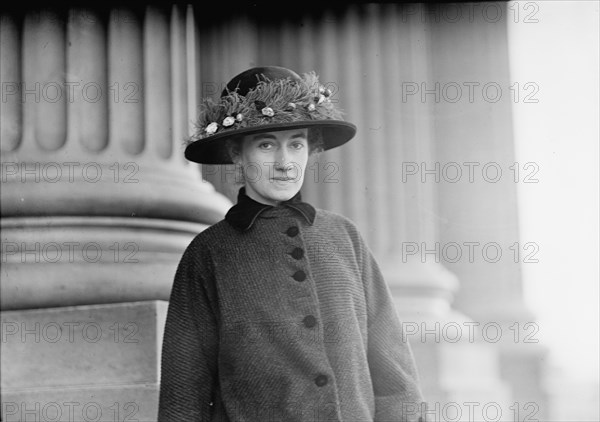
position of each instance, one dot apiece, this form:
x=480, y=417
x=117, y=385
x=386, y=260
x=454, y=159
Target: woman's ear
x=233, y=148
x=235, y=157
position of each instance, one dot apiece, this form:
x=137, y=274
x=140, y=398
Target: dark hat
x=266, y=99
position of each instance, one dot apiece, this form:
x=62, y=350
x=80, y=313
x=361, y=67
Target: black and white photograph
x=300, y=212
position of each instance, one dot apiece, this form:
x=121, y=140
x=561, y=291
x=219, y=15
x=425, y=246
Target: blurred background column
x=478, y=177
x=98, y=202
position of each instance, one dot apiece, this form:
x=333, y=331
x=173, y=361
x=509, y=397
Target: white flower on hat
x=268, y=111
x=321, y=98
x=212, y=128
x=311, y=107
x=325, y=91
x=228, y=121
x=239, y=117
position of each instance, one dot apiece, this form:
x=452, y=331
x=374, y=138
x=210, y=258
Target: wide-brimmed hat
x=266, y=99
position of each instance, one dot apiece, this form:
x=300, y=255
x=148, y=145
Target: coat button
x=299, y=275
x=321, y=380
x=292, y=231
x=309, y=321
x=297, y=253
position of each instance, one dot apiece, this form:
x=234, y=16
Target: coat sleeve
x=391, y=363
x=189, y=352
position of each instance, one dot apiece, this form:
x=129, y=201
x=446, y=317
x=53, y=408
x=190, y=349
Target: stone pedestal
x=97, y=362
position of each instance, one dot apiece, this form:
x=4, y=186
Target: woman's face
x=273, y=164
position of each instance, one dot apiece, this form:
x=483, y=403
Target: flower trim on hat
x=270, y=102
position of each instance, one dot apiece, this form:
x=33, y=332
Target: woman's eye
x=265, y=145
x=298, y=145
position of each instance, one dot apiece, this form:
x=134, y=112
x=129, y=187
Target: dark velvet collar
x=243, y=214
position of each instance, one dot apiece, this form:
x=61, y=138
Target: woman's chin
x=283, y=194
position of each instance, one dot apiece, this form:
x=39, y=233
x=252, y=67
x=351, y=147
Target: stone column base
x=73, y=261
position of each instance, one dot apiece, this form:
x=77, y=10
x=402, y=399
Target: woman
x=279, y=312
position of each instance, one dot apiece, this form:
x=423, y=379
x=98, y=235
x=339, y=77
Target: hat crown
x=249, y=79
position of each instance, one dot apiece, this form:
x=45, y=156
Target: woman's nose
x=283, y=160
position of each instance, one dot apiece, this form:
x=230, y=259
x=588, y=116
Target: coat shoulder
x=211, y=234
x=338, y=222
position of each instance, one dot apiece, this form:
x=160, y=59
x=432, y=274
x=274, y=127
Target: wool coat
x=280, y=313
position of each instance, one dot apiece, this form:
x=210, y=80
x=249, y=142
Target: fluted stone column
x=97, y=203
x=96, y=108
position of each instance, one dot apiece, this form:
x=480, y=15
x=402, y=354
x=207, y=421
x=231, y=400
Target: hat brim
x=212, y=150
